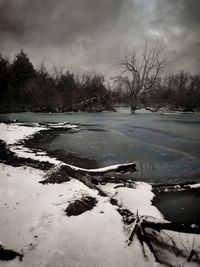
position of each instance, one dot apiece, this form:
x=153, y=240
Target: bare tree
x=185, y=89
x=140, y=76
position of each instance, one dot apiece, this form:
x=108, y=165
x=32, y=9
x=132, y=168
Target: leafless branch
x=140, y=76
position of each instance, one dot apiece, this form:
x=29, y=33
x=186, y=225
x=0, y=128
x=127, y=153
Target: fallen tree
x=63, y=172
x=93, y=104
x=152, y=233
x=90, y=177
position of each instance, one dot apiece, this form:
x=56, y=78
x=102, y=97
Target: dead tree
x=96, y=103
x=140, y=77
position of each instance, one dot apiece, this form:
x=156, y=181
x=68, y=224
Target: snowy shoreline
x=104, y=235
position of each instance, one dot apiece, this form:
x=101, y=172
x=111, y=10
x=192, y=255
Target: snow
x=104, y=169
x=143, y=111
x=34, y=221
x=178, y=248
x=194, y=186
x=136, y=199
x=25, y=152
x=12, y=133
x=63, y=125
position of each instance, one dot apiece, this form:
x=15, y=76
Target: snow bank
x=25, y=152
x=136, y=199
x=12, y=133
x=194, y=186
x=34, y=220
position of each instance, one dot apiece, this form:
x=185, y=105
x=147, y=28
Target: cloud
x=90, y=34
x=178, y=24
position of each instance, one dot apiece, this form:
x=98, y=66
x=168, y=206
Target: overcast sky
x=89, y=35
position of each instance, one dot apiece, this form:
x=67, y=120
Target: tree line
x=142, y=83
x=26, y=88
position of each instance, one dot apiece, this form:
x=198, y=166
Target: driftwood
x=148, y=230
x=93, y=104
x=57, y=177
x=94, y=175
x=167, y=188
x=90, y=178
x=177, y=227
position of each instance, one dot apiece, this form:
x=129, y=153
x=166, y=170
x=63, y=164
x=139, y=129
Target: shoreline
x=179, y=206
x=39, y=141
x=121, y=220
x=36, y=143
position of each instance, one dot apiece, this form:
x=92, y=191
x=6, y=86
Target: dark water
x=179, y=207
x=165, y=147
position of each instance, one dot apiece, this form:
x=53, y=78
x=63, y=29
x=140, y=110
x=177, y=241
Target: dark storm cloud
x=77, y=31
x=178, y=23
x=57, y=21
x=90, y=34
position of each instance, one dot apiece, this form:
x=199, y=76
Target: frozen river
x=166, y=147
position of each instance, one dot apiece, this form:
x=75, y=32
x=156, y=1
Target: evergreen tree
x=4, y=78
x=21, y=72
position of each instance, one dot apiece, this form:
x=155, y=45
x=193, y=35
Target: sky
x=92, y=35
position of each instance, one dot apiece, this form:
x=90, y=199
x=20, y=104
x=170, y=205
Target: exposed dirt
x=57, y=177
x=8, y=254
x=113, y=202
x=80, y=206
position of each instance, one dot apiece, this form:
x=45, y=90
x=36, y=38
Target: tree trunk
x=133, y=108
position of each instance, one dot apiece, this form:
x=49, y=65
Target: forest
x=23, y=87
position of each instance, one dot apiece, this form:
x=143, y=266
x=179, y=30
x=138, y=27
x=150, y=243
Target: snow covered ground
x=13, y=133
x=33, y=220
x=136, y=199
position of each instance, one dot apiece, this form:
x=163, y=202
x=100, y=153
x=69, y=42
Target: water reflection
x=147, y=169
